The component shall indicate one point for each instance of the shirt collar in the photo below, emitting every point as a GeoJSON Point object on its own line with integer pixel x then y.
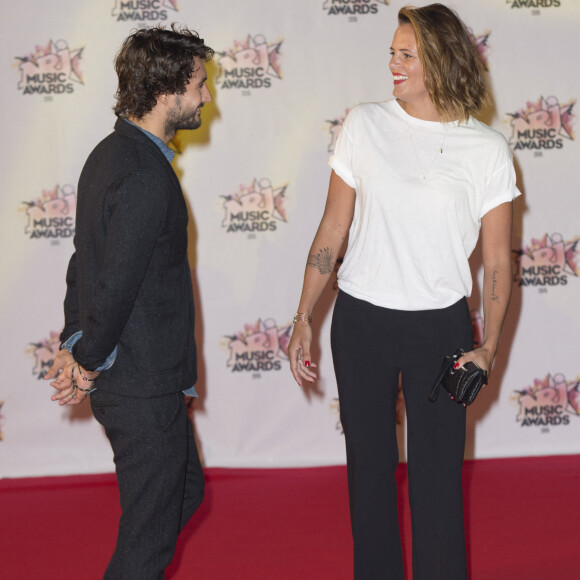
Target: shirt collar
{"type": "Point", "coordinates": [167, 151]}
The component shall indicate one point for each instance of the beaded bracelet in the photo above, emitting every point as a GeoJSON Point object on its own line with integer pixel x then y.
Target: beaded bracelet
{"type": "Point", "coordinates": [75, 385]}
{"type": "Point", "coordinates": [83, 375]}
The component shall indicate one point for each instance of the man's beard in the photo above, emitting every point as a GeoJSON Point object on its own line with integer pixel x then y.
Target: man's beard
{"type": "Point", "coordinates": [178, 119]}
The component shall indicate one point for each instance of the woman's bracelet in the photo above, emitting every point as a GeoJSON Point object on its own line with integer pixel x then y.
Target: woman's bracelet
{"type": "Point", "coordinates": [302, 316]}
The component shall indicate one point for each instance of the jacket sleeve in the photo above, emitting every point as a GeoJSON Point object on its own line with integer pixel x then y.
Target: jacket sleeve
{"type": "Point", "coordinates": [71, 302]}
{"type": "Point", "coordinates": [136, 210]}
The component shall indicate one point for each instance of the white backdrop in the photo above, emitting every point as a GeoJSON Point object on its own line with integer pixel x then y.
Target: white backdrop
{"type": "Point", "coordinates": [255, 176]}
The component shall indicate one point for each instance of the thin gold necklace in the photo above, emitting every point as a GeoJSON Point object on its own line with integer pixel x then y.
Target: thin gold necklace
{"type": "Point", "coordinates": [425, 172]}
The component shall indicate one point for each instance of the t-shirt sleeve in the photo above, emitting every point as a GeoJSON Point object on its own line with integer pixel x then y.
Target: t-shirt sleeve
{"type": "Point", "coordinates": [501, 185]}
{"type": "Point", "coordinates": [341, 159]}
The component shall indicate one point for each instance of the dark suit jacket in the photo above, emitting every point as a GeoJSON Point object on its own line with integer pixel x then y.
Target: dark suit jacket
{"type": "Point", "coordinates": [129, 281]}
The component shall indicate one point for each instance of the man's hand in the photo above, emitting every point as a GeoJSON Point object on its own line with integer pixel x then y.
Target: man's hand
{"type": "Point", "coordinates": [65, 369]}
{"type": "Point", "coordinates": [62, 360]}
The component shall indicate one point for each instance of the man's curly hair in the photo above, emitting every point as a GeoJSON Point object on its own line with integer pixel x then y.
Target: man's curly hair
{"type": "Point", "coordinates": [154, 62]}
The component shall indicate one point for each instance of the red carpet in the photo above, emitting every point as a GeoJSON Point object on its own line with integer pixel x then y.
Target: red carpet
{"type": "Point", "coordinates": [523, 522]}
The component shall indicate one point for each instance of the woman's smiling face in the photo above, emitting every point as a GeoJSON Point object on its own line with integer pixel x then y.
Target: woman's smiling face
{"type": "Point", "coordinates": [407, 71]}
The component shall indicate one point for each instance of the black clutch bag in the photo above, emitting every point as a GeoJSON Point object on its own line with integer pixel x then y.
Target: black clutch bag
{"type": "Point", "coordinates": [463, 383]}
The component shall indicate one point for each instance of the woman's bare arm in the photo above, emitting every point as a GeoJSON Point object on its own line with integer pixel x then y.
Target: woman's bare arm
{"type": "Point", "coordinates": [496, 232]}
{"type": "Point", "coordinates": [327, 243]}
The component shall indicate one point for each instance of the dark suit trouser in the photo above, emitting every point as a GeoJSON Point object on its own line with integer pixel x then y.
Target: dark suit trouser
{"type": "Point", "coordinates": [159, 476]}
{"type": "Point", "coordinates": [371, 346]}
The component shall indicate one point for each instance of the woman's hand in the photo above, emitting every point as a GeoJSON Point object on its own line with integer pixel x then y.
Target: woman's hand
{"type": "Point", "coordinates": [299, 353]}
{"type": "Point", "coordinates": [482, 357]}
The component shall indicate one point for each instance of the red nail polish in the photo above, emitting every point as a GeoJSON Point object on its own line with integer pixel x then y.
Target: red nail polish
{"type": "Point", "coordinates": [306, 363]}
{"type": "Point", "coordinates": [456, 366]}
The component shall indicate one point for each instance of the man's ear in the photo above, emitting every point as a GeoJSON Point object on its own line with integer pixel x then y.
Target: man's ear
{"type": "Point", "coordinates": [166, 100]}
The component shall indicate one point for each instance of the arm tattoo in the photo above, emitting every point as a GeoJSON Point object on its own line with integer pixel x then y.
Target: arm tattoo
{"type": "Point", "coordinates": [323, 261]}
{"type": "Point", "coordinates": [494, 296]}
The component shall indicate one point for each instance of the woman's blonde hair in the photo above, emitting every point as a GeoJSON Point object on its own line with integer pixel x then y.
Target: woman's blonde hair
{"type": "Point", "coordinates": [452, 69]}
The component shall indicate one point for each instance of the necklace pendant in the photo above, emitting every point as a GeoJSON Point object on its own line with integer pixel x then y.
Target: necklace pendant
{"type": "Point", "coordinates": [427, 169]}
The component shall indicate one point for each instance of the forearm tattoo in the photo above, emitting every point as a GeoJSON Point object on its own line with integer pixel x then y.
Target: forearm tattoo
{"type": "Point", "coordinates": [323, 261]}
{"type": "Point", "coordinates": [494, 296]}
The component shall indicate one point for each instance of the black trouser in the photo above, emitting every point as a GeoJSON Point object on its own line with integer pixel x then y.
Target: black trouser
{"type": "Point", "coordinates": [159, 476]}
{"type": "Point", "coordinates": [371, 346]}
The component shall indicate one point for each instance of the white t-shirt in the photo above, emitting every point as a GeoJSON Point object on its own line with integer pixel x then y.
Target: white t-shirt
{"type": "Point", "coordinates": [418, 211]}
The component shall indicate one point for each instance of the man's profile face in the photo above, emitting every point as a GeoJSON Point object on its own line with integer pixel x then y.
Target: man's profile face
{"type": "Point", "coordinates": [185, 111]}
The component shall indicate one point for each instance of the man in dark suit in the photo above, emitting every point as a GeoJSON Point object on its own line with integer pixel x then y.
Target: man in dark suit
{"type": "Point", "coordinates": [129, 314]}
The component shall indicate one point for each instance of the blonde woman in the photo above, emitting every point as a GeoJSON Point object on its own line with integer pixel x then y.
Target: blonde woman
{"type": "Point", "coordinates": [413, 181]}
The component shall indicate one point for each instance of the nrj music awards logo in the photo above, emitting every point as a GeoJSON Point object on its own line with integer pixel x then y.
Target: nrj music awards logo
{"type": "Point", "coordinates": [545, 124]}
{"type": "Point", "coordinates": [482, 44]}
{"type": "Point", "coordinates": [533, 3]}
{"type": "Point", "coordinates": [334, 127]}
{"type": "Point", "coordinates": [143, 10]}
{"type": "Point", "coordinates": [258, 207]}
{"type": "Point", "coordinates": [548, 261]}
{"type": "Point", "coordinates": [548, 402]}
{"type": "Point", "coordinates": [53, 214]}
{"type": "Point", "coordinates": [352, 7]}
{"type": "Point", "coordinates": [259, 347]}
{"type": "Point", "coordinates": [52, 69]}
{"type": "Point", "coordinates": [251, 64]}
{"type": "Point", "coordinates": [44, 353]}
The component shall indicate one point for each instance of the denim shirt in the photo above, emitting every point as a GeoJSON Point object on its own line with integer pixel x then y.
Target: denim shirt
{"type": "Point", "coordinates": [72, 340]}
